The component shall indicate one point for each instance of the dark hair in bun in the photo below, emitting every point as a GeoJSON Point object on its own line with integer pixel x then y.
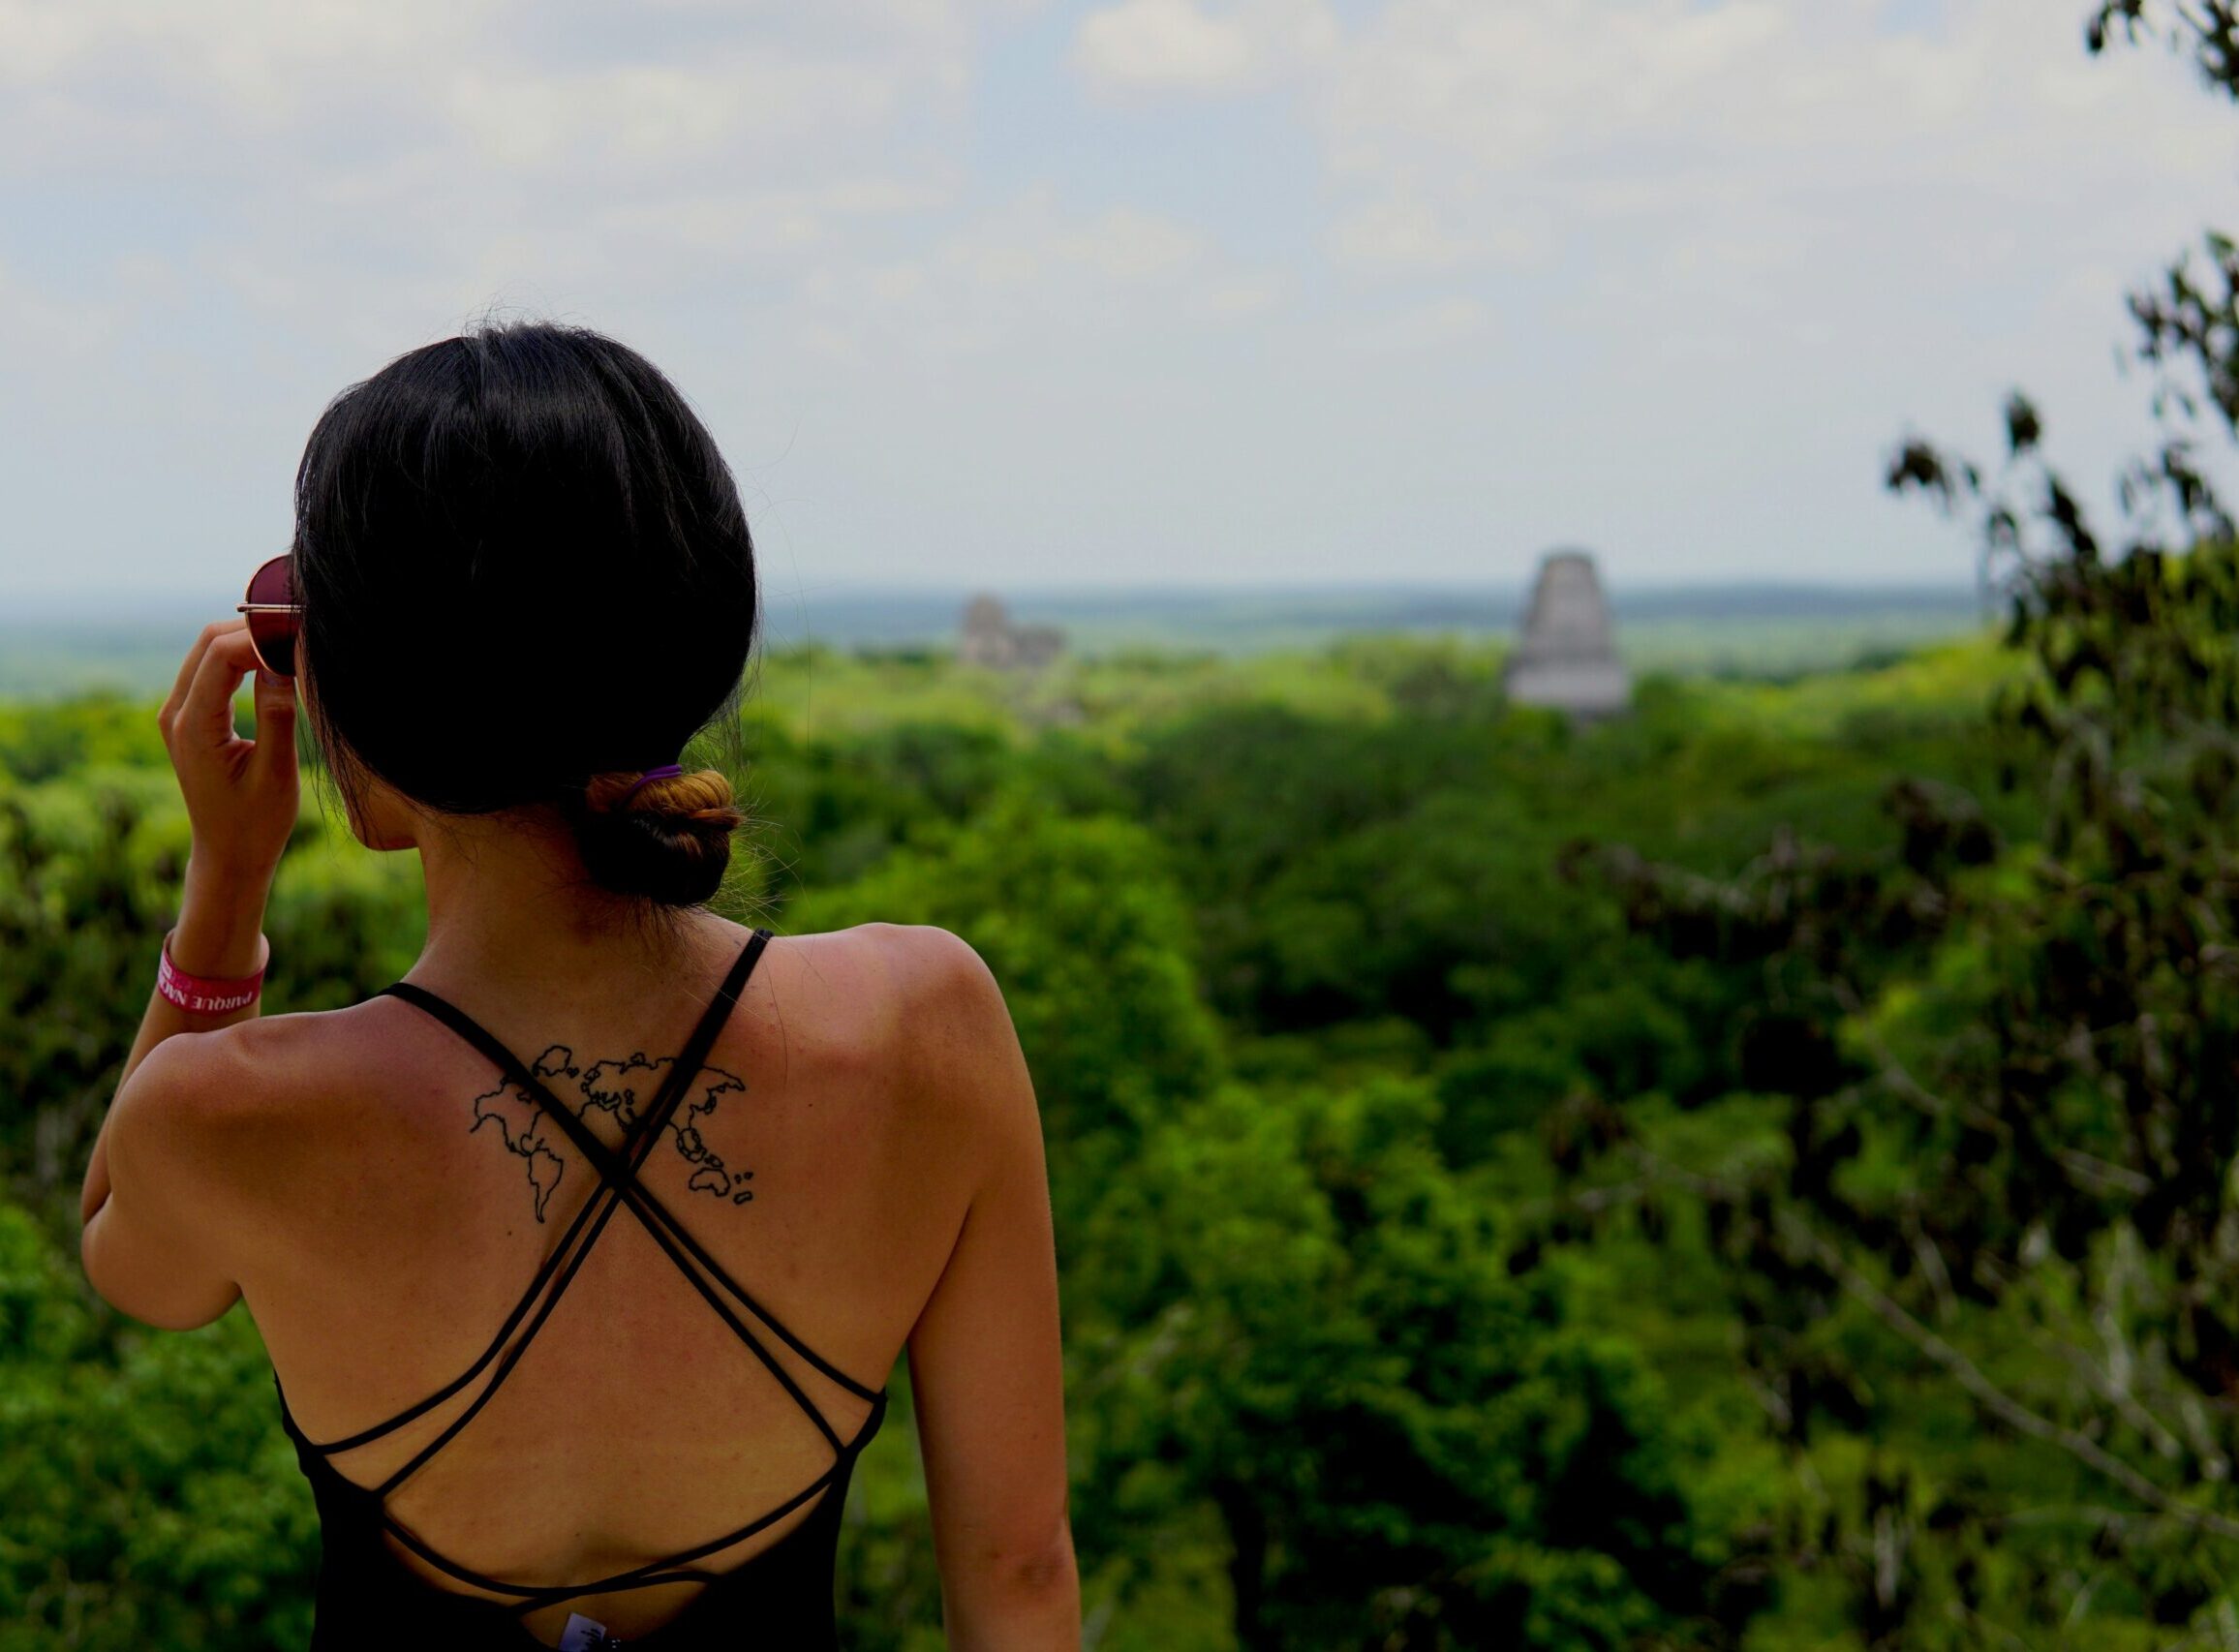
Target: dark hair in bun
{"type": "Point", "coordinates": [669, 838]}
{"type": "Point", "coordinates": [527, 578]}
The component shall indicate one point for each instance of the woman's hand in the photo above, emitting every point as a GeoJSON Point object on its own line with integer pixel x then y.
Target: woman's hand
{"type": "Point", "coordinates": [241, 799]}
{"type": "Point", "coordinates": [241, 794]}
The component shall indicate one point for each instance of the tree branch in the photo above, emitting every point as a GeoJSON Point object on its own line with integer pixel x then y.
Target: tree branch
{"type": "Point", "coordinates": [1990, 1395]}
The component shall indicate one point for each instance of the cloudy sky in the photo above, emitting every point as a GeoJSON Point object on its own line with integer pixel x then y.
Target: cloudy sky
{"type": "Point", "coordinates": [1101, 292]}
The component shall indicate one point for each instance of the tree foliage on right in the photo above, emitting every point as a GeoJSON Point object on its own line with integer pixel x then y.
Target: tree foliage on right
{"type": "Point", "coordinates": [1985, 1250]}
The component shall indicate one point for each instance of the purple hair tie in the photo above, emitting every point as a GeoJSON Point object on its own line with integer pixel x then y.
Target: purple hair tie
{"type": "Point", "coordinates": [661, 774]}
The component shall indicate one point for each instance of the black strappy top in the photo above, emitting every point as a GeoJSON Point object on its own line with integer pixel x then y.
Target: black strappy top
{"type": "Point", "coordinates": [780, 1597]}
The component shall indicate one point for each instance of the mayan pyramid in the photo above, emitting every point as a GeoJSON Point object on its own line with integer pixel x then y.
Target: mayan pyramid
{"type": "Point", "coordinates": [1568, 658]}
{"type": "Point", "coordinates": [989, 638]}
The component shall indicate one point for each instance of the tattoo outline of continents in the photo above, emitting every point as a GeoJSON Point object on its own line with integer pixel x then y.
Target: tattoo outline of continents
{"type": "Point", "coordinates": [613, 1086]}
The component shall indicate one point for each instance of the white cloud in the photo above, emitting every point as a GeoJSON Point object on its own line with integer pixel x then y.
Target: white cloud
{"type": "Point", "coordinates": [1255, 284]}
{"type": "Point", "coordinates": [421, 156]}
{"type": "Point", "coordinates": [1491, 132]}
{"type": "Point", "coordinates": [1495, 133]}
{"type": "Point", "coordinates": [1029, 277]}
{"type": "Point", "coordinates": [1730, 247]}
{"type": "Point", "coordinates": [1181, 45]}
{"type": "Point", "coordinates": [111, 84]}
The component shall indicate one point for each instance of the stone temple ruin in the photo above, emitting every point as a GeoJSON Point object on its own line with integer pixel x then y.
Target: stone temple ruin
{"type": "Point", "coordinates": [1568, 657]}
{"type": "Point", "coordinates": [989, 638]}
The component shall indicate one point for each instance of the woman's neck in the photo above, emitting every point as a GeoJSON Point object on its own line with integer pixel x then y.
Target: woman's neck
{"type": "Point", "coordinates": [508, 901]}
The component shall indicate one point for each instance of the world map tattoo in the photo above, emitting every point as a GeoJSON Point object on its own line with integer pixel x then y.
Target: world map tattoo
{"type": "Point", "coordinates": [612, 1086]}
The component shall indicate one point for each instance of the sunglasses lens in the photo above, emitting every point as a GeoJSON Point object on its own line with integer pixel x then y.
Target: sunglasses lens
{"type": "Point", "coordinates": [274, 634]}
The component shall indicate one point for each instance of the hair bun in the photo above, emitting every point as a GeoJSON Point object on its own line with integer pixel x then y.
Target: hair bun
{"type": "Point", "coordinates": [668, 840]}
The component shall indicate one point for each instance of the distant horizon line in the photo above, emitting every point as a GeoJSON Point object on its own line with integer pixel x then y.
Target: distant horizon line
{"type": "Point", "coordinates": [91, 604]}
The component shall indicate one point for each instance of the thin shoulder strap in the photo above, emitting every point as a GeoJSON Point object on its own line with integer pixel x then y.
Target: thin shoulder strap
{"type": "Point", "coordinates": [617, 1169]}
{"type": "Point", "coordinates": [483, 1040]}
{"type": "Point", "coordinates": [657, 1218]}
{"type": "Point", "coordinates": [686, 1068]}
{"type": "Point", "coordinates": [618, 1174]}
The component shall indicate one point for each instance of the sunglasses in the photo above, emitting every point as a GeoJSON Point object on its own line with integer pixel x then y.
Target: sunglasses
{"type": "Point", "coordinates": [274, 614]}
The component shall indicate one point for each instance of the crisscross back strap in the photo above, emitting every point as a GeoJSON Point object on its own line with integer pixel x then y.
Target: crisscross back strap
{"type": "Point", "coordinates": [648, 1123]}
{"type": "Point", "coordinates": [670, 1234]}
{"type": "Point", "coordinates": [617, 1174]}
{"type": "Point", "coordinates": [702, 1037]}
{"type": "Point", "coordinates": [618, 1171]}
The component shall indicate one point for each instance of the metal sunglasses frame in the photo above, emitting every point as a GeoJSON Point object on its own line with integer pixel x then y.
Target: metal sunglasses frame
{"type": "Point", "coordinates": [268, 608]}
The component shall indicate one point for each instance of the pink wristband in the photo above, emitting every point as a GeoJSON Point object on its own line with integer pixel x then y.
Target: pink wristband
{"type": "Point", "coordinates": [201, 994]}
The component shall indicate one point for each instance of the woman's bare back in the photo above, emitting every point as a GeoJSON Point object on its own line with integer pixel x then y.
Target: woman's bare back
{"type": "Point", "coordinates": [411, 1193]}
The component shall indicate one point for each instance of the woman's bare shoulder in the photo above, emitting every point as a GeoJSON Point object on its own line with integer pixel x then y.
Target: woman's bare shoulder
{"type": "Point", "coordinates": [254, 1088]}
{"type": "Point", "coordinates": [930, 1003]}
{"type": "Point", "coordinates": [245, 1120]}
{"type": "Point", "coordinates": [914, 962]}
